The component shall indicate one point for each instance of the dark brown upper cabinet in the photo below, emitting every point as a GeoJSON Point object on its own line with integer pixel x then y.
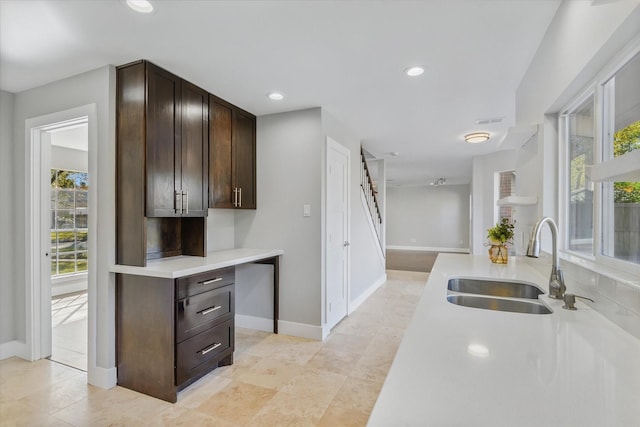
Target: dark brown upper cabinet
{"type": "Point", "coordinates": [232, 151]}
{"type": "Point", "coordinates": [162, 165]}
{"type": "Point", "coordinates": [177, 130]}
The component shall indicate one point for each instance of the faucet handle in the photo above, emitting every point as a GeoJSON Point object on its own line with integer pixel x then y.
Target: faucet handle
{"type": "Point", "coordinates": [570, 300]}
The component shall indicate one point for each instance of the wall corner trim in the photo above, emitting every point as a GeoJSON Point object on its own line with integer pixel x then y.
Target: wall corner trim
{"type": "Point", "coordinates": [13, 349]}
{"type": "Point", "coordinates": [103, 377]}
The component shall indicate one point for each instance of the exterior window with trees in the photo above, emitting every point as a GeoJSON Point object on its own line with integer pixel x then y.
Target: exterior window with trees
{"type": "Point", "coordinates": [69, 213]}
{"type": "Point", "coordinates": [601, 134]}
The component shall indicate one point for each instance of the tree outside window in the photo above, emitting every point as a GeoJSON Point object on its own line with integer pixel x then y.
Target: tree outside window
{"type": "Point", "coordinates": [69, 211]}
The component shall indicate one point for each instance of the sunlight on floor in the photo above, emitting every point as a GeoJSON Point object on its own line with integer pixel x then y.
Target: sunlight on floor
{"type": "Point", "coordinates": [69, 338]}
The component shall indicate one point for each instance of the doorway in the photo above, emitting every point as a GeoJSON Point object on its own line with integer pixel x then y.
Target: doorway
{"type": "Point", "coordinates": [337, 233]}
{"type": "Point", "coordinates": [59, 274]}
{"type": "Point", "coordinates": [69, 255]}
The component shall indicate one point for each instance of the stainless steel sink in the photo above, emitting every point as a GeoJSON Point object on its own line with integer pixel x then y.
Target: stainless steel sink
{"type": "Point", "coordinates": [496, 288]}
{"type": "Point", "coordinates": [500, 304]}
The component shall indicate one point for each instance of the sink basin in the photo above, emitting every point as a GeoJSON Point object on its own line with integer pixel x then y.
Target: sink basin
{"type": "Point", "coordinates": [500, 304]}
{"type": "Point", "coordinates": [496, 288]}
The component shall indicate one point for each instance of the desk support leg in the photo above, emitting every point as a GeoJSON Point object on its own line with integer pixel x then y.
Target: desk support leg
{"type": "Point", "coordinates": [275, 261]}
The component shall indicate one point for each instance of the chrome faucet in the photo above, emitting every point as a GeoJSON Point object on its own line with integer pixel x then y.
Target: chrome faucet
{"type": "Point", "coordinates": [556, 281]}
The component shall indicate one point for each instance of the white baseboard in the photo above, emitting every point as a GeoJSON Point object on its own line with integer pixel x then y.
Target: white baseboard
{"type": "Point", "coordinates": [253, 322]}
{"type": "Point", "coordinates": [13, 349]}
{"type": "Point", "coordinates": [427, 249]}
{"type": "Point", "coordinates": [353, 305]}
{"type": "Point", "coordinates": [301, 330]}
{"type": "Point", "coordinates": [103, 377]}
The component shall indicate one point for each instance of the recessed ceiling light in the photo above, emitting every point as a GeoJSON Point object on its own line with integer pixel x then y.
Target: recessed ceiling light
{"type": "Point", "coordinates": [142, 6]}
{"type": "Point", "coordinates": [476, 137]}
{"type": "Point", "coordinates": [275, 96]}
{"type": "Point", "coordinates": [414, 71]}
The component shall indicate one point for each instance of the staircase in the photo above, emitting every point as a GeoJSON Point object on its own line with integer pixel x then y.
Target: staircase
{"type": "Point", "coordinates": [369, 193]}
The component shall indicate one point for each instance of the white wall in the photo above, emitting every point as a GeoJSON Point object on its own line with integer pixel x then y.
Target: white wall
{"type": "Point", "coordinates": [485, 193]}
{"type": "Point", "coordinates": [8, 240]}
{"type": "Point", "coordinates": [93, 87]}
{"type": "Point", "coordinates": [69, 159]}
{"type": "Point", "coordinates": [220, 229]}
{"type": "Point", "coordinates": [428, 217]}
{"type": "Point", "coordinates": [578, 43]}
{"type": "Point", "coordinates": [288, 176]}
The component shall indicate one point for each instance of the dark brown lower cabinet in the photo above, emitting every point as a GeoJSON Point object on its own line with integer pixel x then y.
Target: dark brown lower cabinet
{"type": "Point", "coordinates": [171, 332]}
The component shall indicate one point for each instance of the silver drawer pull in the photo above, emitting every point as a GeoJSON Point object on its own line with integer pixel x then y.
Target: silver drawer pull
{"type": "Point", "coordinates": [208, 282]}
{"type": "Point", "coordinates": [211, 348]}
{"type": "Point", "coordinates": [210, 309]}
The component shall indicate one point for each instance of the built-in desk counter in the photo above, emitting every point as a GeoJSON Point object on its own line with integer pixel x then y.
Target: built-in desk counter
{"type": "Point", "coordinates": [175, 318]}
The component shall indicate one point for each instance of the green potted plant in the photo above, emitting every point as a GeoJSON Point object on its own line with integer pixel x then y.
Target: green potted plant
{"type": "Point", "coordinates": [500, 236]}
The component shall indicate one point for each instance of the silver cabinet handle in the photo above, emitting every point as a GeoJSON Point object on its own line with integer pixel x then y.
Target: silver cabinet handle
{"type": "Point", "coordinates": [210, 348]}
{"type": "Point", "coordinates": [210, 310]}
{"type": "Point", "coordinates": [178, 196]}
{"type": "Point", "coordinates": [185, 202]}
{"type": "Point", "coordinates": [208, 282]}
{"type": "Point", "coordinates": [240, 203]}
{"type": "Point", "coordinates": [235, 197]}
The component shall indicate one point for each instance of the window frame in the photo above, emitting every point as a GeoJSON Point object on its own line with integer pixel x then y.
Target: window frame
{"type": "Point", "coordinates": [602, 107]}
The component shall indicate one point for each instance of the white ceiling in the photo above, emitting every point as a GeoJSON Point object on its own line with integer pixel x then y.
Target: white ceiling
{"type": "Point", "coordinates": [346, 56]}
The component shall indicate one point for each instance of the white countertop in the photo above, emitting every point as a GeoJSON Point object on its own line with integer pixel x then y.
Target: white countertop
{"type": "Point", "coordinates": [180, 266]}
{"type": "Point", "coordinates": [568, 368]}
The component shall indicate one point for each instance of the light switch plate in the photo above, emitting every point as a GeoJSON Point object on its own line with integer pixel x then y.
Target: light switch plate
{"type": "Point", "coordinates": [306, 210]}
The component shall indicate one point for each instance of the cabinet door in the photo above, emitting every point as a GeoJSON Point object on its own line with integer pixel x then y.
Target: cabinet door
{"type": "Point", "coordinates": [163, 141]}
{"type": "Point", "coordinates": [244, 144]}
{"type": "Point", "coordinates": [195, 150]}
{"type": "Point", "coordinates": [221, 188]}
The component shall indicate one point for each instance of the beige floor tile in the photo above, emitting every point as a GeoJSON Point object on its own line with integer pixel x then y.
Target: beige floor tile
{"type": "Point", "coordinates": [357, 394]}
{"type": "Point", "coordinates": [286, 409]}
{"type": "Point", "coordinates": [286, 348]}
{"type": "Point", "coordinates": [238, 402]}
{"type": "Point", "coordinates": [337, 416]}
{"type": "Point", "coordinates": [22, 414]}
{"type": "Point", "coordinates": [116, 406]}
{"type": "Point", "coordinates": [269, 373]}
{"type": "Point", "coordinates": [336, 361]}
{"type": "Point", "coordinates": [33, 377]}
{"type": "Point", "coordinates": [200, 391]}
{"type": "Point", "coordinates": [59, 396]}
{"type": "Point", "coordinates": [177, 416]}
{"type": "Point", "coordinates": [346, 343]}
{"type": "Point", "coordinates": [320, 386]}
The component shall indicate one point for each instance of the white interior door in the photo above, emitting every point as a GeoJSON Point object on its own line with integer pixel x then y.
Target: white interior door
{"type": "Point", "coordinates": [337, 229]}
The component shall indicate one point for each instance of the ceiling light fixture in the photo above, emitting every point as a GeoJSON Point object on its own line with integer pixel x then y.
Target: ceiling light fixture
{"type": "Point", "coordinates": [275, 96]}
{"type": "Point", "coordinates": [476, 137]}
{"type": "Point", "coordinates": [414, 71]}
{"type": "Point", "coordinates": [142, 6]}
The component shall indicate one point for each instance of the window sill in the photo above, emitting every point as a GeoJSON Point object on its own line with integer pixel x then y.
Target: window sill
{"type": "Point", "coordinates": [623, 168]}
{"type": "Point", "coordinates": [69, 278]}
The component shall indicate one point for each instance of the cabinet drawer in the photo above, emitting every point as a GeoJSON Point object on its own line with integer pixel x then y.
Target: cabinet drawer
{"type": "Point", "coordinates": [202, 348]}
{"type": "Point", "coordinates": [203, 282]}
{"type": "Point", "coordinates": [197, 313]}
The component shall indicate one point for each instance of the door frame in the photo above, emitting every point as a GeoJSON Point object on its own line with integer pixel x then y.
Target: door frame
{"type": "Point", "coordinates": [332, 144]}
{"type": "Point", "coordinates": [37, 294]}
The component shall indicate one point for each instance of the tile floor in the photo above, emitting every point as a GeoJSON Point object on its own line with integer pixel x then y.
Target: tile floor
{"type": "Point", "coordinates": [276, 380]}
{"type": "Point", "coordinates": [69, 330]}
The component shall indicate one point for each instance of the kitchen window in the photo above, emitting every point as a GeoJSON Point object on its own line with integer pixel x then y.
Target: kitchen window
{"type": "Point", "coordinates": [600, 187]}
{"type": "Point", "coordinates": [69, 230]}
